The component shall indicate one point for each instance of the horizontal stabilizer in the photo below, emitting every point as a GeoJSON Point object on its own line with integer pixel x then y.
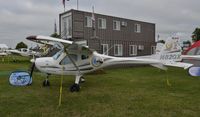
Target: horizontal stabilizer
{"type": "Point", "coordinates": [178, 64]}
{"type": "Point", "coordinates": [160, 66]}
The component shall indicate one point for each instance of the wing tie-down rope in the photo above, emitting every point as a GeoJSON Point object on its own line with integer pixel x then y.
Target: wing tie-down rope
{"type": "Point", "coordinates": [61, 83]}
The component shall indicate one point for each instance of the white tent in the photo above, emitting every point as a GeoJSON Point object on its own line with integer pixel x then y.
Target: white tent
{"type": "Point", "coordinates": [3, 47]}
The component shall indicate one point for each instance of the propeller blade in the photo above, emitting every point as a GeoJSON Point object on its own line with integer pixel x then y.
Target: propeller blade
{"type": "Point", "coordinates": [32, 69]}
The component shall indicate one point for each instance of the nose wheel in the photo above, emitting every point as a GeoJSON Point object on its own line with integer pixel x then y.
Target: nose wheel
{"type": "Point", "coordinates": [46, 82]}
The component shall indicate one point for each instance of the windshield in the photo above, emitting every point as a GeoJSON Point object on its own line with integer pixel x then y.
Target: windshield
{"type": "Point", "coordinates": [57, 55]}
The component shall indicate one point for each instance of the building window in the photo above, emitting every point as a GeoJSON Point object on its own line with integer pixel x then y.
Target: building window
{"type": "Point", "coordinates": [141, 47]}
{"type": "Point", "coordinates": [102, 23]}
{"type": "Point", "coordinates": [118, 50]}
{"type": "Point", "coordinates": [66, 27]}
{"type": "Point", "coordinates": [116, 25]}
{"type": "Point", "coordinates": [153, 49]}
{"type": "Point", "coordinates": [105, 49]}
{"type": "Point", "coordinates": [137, 28]}
{"type": "Point", "coordinates": [124, 23]}
{"type": "Point", "coordinates": [133, 50]}
{"type": "Point", "coordinates": [88, 21]}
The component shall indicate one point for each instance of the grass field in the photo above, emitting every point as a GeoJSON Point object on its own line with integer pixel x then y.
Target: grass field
{"type": "Point", "coordinates": [132, 92]}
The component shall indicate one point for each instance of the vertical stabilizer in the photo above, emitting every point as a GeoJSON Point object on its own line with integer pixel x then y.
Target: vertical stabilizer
{"type": "Point", "coordinates": [171, 50]}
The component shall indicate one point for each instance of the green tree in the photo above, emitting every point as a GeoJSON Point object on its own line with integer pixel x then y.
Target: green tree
{"type": "Point", "coordinates": [187, 42]}
{"type": "Point", "coordinates": [161, 41]}
{"type": "Point", "coordinates": [196, 35]}
{"type": "Point", "coordinates": [55, 35]}
{"type": "Point", "coordinates": [21, 45]}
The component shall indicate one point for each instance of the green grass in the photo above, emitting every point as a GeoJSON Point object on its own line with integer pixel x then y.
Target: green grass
{"type": "Point", "coordinates": [134, 92]}
{"type": "Point", "coordinates": [14, 59]}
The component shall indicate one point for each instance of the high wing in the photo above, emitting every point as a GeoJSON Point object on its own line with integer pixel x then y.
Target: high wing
{"type": "Point", "coordinates": [64, 44]}
{"type": "Point", "coordinates": [41, 39]}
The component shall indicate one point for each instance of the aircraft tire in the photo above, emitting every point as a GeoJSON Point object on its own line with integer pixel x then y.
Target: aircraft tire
{"type": "Point", "coordinates": [75, 88]}
{"type": "Point", "coordinates": [46, 83]}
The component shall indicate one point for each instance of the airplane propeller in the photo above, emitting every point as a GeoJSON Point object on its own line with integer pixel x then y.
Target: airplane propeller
{"type": "Point", "coordinates": [33, 65]}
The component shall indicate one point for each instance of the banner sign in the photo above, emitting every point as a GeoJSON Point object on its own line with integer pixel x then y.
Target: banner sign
{"type": "Point", "coordinates": [194, 71]}
{"type": "Point", "coordinates": [20, 78]}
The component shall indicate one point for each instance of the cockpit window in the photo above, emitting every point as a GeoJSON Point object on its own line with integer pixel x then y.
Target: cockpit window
{"type": "Point", "coordinates": [50, 50]}
{"type": "Point", "coordinates": [57, 55]}
{"type": "Point", "coordinates": [66, 59]}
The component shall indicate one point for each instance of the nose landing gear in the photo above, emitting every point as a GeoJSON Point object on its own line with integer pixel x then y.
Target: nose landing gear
{"type": "Point", "coordinates": [46, 82]}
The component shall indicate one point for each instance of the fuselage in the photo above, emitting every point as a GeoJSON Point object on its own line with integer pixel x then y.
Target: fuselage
{"type": "Point", "coordinates": [60, 63]}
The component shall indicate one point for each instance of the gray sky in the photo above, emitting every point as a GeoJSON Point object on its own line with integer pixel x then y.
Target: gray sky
{"type": "Point", "coordinates": [21, 18]}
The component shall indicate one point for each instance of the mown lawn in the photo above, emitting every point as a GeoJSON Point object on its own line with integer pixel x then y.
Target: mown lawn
{"type": "Point", "coordinates": [132, 92]}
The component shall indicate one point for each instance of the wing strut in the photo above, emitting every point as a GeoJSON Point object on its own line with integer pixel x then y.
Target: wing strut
{"type": "Point", "coordinates": [73, 62]}
{"type": "Point", "coordinates": [75, 86]}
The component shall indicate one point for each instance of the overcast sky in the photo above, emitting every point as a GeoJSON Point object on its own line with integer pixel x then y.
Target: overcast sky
{"type": "Point", "coordinates": [21, 18]}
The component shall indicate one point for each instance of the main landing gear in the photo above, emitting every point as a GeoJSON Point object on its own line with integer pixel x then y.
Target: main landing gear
{"type": "Point", "coordinates": [46, 82]}
{"type": "Point", "coordinates": [76, 86]}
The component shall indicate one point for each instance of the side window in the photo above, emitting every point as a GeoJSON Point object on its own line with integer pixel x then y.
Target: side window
{"type": "Point", "coordinates": [102, 23]}
{"type": "Point", "coordinates": [118, 50]}
{"type": "Point", "coordinates": [57, 55]}
{"type": "Point", "coordinates": [137, 28]}
{"type": "Point", "coordinates": [66, 59]}
{"type": "Point", "coordinates": [116, 25]}
{"type": "Point", "coordinates": [133, 50]}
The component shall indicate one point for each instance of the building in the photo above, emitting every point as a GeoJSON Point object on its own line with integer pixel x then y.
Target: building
{"type": "Point", "coordinates": [110, 35]}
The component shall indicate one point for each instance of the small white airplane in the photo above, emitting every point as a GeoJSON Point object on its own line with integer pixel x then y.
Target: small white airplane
{"type": "Point", "coordinates": [76, 59]}
{"type": "Point", "coordinates": [24, 52]}
{"type": "Point", "coordinates": [3, 54]}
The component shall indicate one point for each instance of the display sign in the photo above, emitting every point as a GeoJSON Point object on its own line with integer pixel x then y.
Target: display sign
{"type": "Point", "coordinates": [194, 71]}
{"type": "Point", "coordinates": [20, 78]}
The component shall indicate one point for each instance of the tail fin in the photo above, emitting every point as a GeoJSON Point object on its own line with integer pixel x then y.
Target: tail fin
{"type": "Point", "coordinates": [171, 51]}
{"type": "Point", "coordinates": [170, 54]}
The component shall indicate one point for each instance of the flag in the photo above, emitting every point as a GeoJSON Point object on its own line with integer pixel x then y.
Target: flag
{"type": "Point", "coordinates": [93, 24]}
{"type": "Point", "coordinates": [64, 3]}
{"type": "Point", "coordinates": [93, 18]}
{"type": "Point", "coordinates": [55, 27]}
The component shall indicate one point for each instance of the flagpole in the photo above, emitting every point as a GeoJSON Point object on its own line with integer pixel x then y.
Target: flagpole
{"type": "Point", "coordinates": [77, 4]}
{"type": "Point", "coordinates": [64, 4]}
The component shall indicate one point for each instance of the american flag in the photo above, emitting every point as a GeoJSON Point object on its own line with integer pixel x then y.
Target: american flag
{"type": "Point", "coordinates": [64, 3]}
